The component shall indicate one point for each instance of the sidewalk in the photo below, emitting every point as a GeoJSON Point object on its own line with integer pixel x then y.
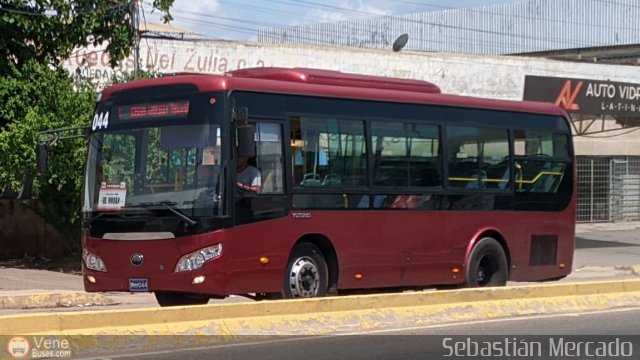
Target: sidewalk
{"type": "Point", "coordinates": [607, 226]}
{"type": "Point", "coordinates": [24, 289]}
{"type": "Point", "coordinates": [37, 299]}
{"type": "Point", "coordinates": [603, 251]}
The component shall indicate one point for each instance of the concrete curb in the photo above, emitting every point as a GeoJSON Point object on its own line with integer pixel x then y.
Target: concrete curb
{"type": "Point", "coordinates": [334, 314]}
{"type": "Point", "coordinates": [95, 333]}
{"type": "Point", "coordinates": [52, 299]}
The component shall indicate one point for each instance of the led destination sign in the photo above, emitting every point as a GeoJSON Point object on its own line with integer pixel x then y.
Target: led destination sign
{"type": "Point", "coordinates": [172, 109]}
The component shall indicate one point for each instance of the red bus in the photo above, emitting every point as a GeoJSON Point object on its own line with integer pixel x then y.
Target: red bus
{"type": "Point", "coordinates": [363, 183]}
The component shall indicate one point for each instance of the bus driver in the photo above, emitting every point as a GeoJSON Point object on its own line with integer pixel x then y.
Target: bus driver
{"type": "Point", "coordinates": [248, 177]}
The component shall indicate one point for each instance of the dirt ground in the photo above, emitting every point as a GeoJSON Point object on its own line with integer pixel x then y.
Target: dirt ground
{"type": "Point", "coordinates": [67, 265]}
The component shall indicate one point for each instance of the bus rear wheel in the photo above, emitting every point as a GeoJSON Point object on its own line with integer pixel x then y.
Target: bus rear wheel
{"type": "Point", "coordinates": [178, 299]}
{"type": "Point", "coordinates": [306, 275]}
{"type": "Point", "coordinates": [487, 265]}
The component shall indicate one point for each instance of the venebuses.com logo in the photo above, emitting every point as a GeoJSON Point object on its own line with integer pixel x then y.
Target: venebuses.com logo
{"type": "Point", "coordinates": [34, 347]}
{"type": "Point", "coordinates": [18, 347]}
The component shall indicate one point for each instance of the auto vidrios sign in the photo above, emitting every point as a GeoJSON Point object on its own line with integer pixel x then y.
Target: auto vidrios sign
{"type": "Point", "coordinates": [585, 96]}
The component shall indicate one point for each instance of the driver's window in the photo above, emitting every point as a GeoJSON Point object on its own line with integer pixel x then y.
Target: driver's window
{"type": "Point", "coordinates": [261, 195]}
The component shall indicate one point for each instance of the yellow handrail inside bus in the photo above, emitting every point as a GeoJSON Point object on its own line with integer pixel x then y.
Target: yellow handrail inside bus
{"type": "Point", "coordinates": [519, 181]}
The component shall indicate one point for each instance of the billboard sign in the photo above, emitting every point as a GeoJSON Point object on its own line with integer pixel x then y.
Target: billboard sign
{"type": "Point", "coordinates": [585, 96]}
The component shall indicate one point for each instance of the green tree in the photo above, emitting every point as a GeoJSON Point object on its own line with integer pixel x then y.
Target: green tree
{"type": "Point", "coordinates": [47, 30]}
{"type": "Point", "coordinates": [41, 98]}
{"type": "Point", "coordinates": [37, 95]}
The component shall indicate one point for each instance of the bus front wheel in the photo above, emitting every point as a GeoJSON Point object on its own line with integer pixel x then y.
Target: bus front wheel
{"type": "Point", "coordinates": [178, 299]}
{"type": "Point", "coordinates": [306, 275]}
{"type": "Point", "coordinates": [487, 265]}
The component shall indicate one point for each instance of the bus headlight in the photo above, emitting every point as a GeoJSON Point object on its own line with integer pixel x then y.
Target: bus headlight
{"type": "Point", "coordinates": [196, 259]}
{"type": "Point", "coordinates": [93, 262]}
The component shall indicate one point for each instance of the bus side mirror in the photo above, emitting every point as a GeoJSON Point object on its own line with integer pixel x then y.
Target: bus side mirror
{"type": "Point", "coordinates": [42, 154]}
{"type": "Point", "coordinates": [246, 141]}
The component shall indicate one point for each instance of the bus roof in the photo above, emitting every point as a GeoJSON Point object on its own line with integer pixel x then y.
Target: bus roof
{"type": "Point", "coordinates": [327, 83]}
{"type": "Point", "coordinates": [336, 78]}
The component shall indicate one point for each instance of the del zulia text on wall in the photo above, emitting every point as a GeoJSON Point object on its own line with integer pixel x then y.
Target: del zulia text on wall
{"type": "Point", "coordinates": [585, 96]}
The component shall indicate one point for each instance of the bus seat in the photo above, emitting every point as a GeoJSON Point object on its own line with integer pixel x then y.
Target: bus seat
{"type": "Point", "coordinates": [378, 201]}
{"type": "Point", "coordinates": [311, 179]}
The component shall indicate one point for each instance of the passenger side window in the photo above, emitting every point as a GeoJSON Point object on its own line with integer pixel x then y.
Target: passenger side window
{"type": "Point", "coordinates": [478, 158]}
{"type": "Point", "coordinates": [541, 160]}
{"type": "Point", "coordinates": [406, 155]}
{"type": "Point", "coordinates": [328, 152]}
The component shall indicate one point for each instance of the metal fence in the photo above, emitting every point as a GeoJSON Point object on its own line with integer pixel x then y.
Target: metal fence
{"type": "Point", "coordinates": [517, 27]}
{"type": "Point", "coordinates": [608, 188]}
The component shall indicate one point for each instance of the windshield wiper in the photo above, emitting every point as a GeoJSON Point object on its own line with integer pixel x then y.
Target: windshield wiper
{"type": "Point", "coordinates": [170, 205]}
{"type": "Point", "coordinates": [92, 219]}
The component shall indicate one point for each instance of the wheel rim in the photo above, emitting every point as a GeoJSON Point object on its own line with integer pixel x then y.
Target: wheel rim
{"type": "Point", "coordinates": [304, 279]}
{"type": "Point", "coordinates": [481, 275]}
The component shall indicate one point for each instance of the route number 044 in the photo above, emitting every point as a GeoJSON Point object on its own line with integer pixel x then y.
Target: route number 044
{"type": "Point", "coordinates": [100, 121]}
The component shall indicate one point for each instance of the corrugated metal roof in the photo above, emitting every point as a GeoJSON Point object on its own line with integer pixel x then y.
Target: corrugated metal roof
{"type": "Point", "coordinates": [527, 26]}
{"type": "Point", "coordinates": [165, 29]}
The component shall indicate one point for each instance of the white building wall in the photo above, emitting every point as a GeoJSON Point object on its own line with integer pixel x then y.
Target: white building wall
{"type": "Point", "coordinates": [486, 76]}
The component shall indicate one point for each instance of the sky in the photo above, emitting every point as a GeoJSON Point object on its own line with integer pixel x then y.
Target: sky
{"type": "Point", "coordinates": [239, 19]}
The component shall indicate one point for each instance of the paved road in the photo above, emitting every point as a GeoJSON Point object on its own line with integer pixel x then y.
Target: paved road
{"type": "Point", "coordinates": [606, 250]}
{"type": "Point", "coordinates": [603, 251]}
{"type": "Point", "coordinates": [623, 245]}
{"type": "Point", "coordinates": [559, 335]}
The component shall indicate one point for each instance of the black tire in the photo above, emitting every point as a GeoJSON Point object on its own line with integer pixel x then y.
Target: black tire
{"type": "Point", "coordinates": [178, 299]}
{"type": "Point", "coordinates": [306, 275]}
{"type": "Point", "coordinates": [487, 265]}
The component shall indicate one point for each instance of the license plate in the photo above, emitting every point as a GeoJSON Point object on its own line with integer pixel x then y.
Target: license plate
{"type": "Point", "coordinates": [138, 285]}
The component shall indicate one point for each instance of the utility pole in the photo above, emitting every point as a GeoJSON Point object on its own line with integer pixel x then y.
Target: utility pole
{"type": "Point", "coordinates": [135, 28]}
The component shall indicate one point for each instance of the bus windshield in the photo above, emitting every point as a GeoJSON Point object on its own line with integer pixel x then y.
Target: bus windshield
{"type": "Point", "coordinates": [171, 163]}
